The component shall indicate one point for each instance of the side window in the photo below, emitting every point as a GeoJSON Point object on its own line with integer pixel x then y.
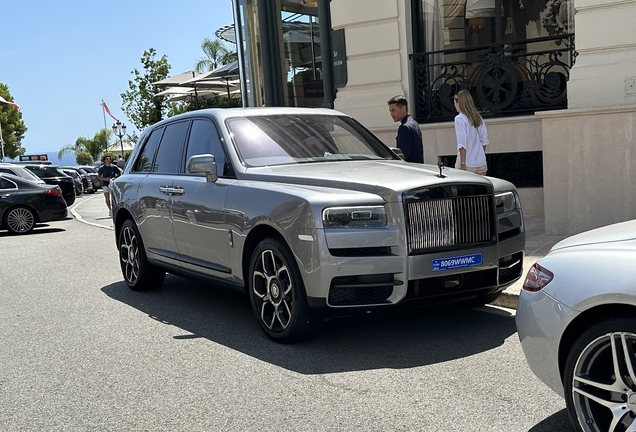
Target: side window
{"type": "Point", "coordinates": [6, 170]}
{"type": "Point", "coordinates": [204, 138]}
{"type": "Point", "coordinates": [6, 184]}
{"type": "Point", "coordinates": [144, 161]}
{"type": "Point", "coordinates": [169, 153]}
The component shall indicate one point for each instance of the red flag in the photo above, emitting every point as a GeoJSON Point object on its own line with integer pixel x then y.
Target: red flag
{"type": "Point", "coordinates": [13, 104]}
{"type": "Point", "coordinates": [107, 110]}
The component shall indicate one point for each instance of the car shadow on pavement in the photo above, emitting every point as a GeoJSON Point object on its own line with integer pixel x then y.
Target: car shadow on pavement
{"type": "Point", "coordinates": [558, 421]}
{"type": "Point", "coordinates": [39, 229]}
{"type": "Point", "coordinates": [375, 341]}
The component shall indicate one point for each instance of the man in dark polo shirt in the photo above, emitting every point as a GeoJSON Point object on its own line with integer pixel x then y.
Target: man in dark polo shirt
{"type": "Point", "coordinates": [106, 173]}
{"type": "Point", "coordinates": [409, 136]}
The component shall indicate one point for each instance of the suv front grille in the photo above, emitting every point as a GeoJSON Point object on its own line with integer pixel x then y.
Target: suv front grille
{"type": "Point", "coordinates": [449, 222]}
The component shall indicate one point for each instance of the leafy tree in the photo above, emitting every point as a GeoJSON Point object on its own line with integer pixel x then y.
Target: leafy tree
{"type": "Point", "coordinates": [84, 158]}
{"type": "Point", "coordinates": [139, 101]}
{"type": "Point", "coordinates": [12, 126]}
{"type": "Point", "coordinates": [220, 102]}
{"type": "Point", "coordinates": [216, 54]}
{"type": "Point", "coordinates": [93, 146]}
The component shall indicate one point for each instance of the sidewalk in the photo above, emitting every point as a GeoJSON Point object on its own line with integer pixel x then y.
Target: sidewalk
{"type": "Point", "coordinates": [537, 246]}
{"type": "Point", "coordinates": [92, 210]}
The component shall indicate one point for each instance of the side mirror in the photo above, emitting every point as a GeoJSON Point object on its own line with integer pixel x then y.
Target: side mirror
{"type": "Point", "coordinates": [398, 152]}
{"type": "Point", "coordinates": [205, 164]}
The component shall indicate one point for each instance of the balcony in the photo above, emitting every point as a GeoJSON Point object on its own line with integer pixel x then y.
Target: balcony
{"type": "Point", "coordinates": [507, 79]}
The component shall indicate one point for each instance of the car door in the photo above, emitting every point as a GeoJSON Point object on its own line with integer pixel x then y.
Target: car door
{"type": "Point", "coordinates": [160, 160]}
{"type": "Point", "coordinates": [199, 207]}
{"type": "Point", "coordinates": [8, 189]}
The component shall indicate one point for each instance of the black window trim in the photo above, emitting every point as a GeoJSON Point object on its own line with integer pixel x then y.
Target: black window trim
{"type": "Point", "coordinates": [228, 160]}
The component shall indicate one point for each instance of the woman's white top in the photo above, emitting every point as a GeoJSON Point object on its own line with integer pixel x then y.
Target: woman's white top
{"type": "Point", "coordinates": [472, 139]}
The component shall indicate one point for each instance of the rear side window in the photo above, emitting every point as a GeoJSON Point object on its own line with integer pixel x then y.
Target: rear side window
{"type": "Point", "coordinates": [144, 161]}
{"type": "Point", "coordinates": [204, 139]}
{"type": "Point", "coordinates": [6, 184]}
{"type": "Point", "coordinates": [169, 153]}
{"type": "Point", "coordinates": [41, 171]}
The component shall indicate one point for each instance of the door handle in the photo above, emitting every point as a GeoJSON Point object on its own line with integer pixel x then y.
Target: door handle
{"type": "Point", "coordinates": [165, 190]}
{"type": "Point", "coordinates": [177, 190]}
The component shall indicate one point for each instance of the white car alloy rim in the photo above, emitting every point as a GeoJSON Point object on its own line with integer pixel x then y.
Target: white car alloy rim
{"type": "Point", "coordinates": [604, 384]}
{"type": "Point", "coordinates": [20, 220]}
{"type": "Point", "coordinates": [272, 285]}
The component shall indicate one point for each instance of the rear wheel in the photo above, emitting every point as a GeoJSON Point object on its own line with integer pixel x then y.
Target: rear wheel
{"type": "Point", "coordinates": [138, 273]}
{"type": "Point", "coordinates": [278, 294]}
{"type": "Point", "coordinates": [600, 377]}
{"type": "Point", "coordinates": [19, 220]}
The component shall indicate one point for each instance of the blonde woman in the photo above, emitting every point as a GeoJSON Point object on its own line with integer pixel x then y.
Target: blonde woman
{"type": "Point", "coordinates": [472, 136]}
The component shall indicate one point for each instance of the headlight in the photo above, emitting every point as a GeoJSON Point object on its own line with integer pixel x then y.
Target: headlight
{"type": "Point", "coordinates": [505, 202]}
{"type": "Point", "coordinates": [354, 217]}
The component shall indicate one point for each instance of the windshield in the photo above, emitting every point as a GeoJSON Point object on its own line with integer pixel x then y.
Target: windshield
{"type": "Point", "coordinates": [294, 139]}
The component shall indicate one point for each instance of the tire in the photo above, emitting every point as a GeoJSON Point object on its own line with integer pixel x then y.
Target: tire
{"type": "Point", "coordinates": [138, 273]}
{"type": "Point", "coordinates": [591, 382]}
{"type": "Point", "coordinates": [480, 300]}
{"type": "Point", "coordinates": [486, 298]}
{"type": "Point", "coordinates": [19, 220]}
{"type": "Point", "coordinates": [278, 296]}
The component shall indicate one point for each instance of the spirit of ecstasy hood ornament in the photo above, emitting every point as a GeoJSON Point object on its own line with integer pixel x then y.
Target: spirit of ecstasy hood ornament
{"type": "Point", "coordinates": [440, 165]}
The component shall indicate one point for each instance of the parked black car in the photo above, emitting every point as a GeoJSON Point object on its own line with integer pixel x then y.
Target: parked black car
{"type": "Point", "coordinates": [84, 179]}
{"type": "Point", "coordinates": [51, 174]}
{"type": "Point", "coordinates": [24, 203]}
{"type": "Point", "coordinates": [92, 174]}
{"type": "Point", "coordinates": [77, 181]}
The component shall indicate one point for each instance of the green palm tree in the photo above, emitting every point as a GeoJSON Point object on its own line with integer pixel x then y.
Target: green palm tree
{"type": "Point", "coordinates": [216, 54]}
{"type": "Point", "coordinates": [93, 146]}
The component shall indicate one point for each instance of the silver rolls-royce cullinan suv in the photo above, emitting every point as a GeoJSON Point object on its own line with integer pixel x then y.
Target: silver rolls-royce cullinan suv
{"type": "Point", "coordinates": [312, 214]}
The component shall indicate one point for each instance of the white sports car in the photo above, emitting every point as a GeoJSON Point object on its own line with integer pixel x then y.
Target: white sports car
{"type": "Point", "coordinates": [576, 320]}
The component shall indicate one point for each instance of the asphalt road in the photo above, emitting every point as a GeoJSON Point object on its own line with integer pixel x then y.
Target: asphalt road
{"type": "Point", "coordinates": [81, 352]}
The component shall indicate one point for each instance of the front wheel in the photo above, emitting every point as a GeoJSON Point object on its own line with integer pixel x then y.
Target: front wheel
{"type": "Point", "coordinates": [138, 273]}
{"type": "Point", "coordinates": [278, 296]}
{"type": "Point", "coordinates": [19, 220]}
{"type": "Point", "coordinates": [600, 377]}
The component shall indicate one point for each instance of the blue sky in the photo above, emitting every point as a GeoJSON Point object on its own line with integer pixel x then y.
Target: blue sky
{"type": "Point", "coordinates": [60, 59]}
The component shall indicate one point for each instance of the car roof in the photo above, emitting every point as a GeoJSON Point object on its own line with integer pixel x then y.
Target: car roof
{"type": "Point", "coordinates": [222, 114]}
{"type": "Point", "coordinates": [20, 180]}
{"type": "Point", "coordinates": [39, 165]}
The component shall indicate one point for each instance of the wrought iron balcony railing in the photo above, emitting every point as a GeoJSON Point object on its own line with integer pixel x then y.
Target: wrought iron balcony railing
{"type": "Point", "coordinates": [513, 78]}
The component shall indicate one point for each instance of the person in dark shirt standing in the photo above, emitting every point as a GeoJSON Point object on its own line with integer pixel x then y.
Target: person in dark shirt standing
{"type": "Point", "coordinates": [409, 136]}
{"type": "Point", "coordinates": [106, 173]}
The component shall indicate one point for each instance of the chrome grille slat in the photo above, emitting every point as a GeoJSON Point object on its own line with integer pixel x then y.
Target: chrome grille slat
{"type": "Point", "coordinates": [448, 222]}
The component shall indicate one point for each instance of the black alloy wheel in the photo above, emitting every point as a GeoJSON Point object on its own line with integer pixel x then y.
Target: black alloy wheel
{"type": "Point", "coordinates": [600, 377]}
{"type": "Point", "coordinates": [19, 220]}
{"type": "Point", "coordinates": [138, 273]}
{"type": "Point", "coordinates": [278, 296]}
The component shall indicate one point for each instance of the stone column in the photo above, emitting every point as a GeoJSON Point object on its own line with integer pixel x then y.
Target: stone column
{"type": "Point", "coordinates": [589, 150]}
{"type": "Point", "coordinates": [604, 74]}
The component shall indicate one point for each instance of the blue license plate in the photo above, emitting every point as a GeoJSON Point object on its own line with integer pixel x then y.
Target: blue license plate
{"type": "Point", "coordinates": [456, 262]}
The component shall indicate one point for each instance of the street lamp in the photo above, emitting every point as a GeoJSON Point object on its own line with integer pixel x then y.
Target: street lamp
{"type": "Point", "coordinates": [119, 130]}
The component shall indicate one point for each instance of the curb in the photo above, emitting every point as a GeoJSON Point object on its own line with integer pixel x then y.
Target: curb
{"type": "Point", "coordinates": [507, 300]}
{"type": "Point", "coordinates": [79, 217]}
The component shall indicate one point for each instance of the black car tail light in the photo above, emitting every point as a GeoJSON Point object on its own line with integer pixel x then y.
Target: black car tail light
{"type": "Point", "coordinates": [537, 278]}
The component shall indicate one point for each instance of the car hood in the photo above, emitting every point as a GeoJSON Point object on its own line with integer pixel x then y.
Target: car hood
{"type": "Point", "coordinates": [621, 235]}
{"type": "Point", "coordinates": [385, 178]}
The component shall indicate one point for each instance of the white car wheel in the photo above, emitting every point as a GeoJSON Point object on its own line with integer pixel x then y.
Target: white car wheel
{"type": "Point", "coordinates": [600, 377]}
